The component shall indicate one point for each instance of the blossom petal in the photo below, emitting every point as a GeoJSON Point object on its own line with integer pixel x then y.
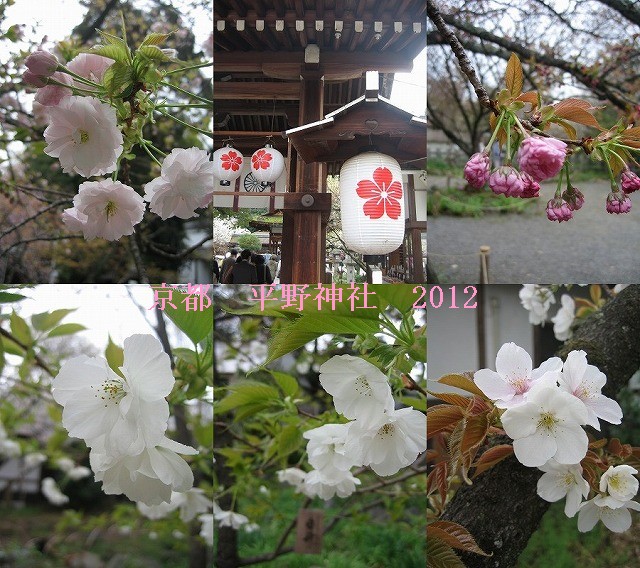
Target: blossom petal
{"type": "Point", "coordinates": [535, 450]}
{"type": "Point", "coordinates": [493, 385]}
{"type": "Point", "coordinates": [513, 362]}
{"type": "Point", "coordinates": [616, 520]}
{"type": "Point", "coordinates": [572, 444]}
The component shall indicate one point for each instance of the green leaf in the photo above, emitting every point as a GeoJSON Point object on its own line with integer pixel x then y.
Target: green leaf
{"type": "Point", "coordinates": [115, 356]}
{"type": "Point", "coordinates": [115, 52]}
{"type": "Point", "coordinates": [247, 393]}
{"type": "Point", "coordinates": [6, 297]}
{"type": "Point", "coordinates": [20, 330]}
{"type": "Point", "coordinates": [11, 347]}
{"type": "Point", "coordinates": [155, 39]}
{"type": "Point", "coordinates": [415, 402]}
{"type": "Point", "coordinates": [2, 359]}
{"type": "Point", "coordinates": [287, 383]}
{"type": "Point", "coordinates": [187, 355]}
{"type": "Point", "coordinates": [153, 53]}
{"type": "Point", "coordinates": [116, 77]}
{"type": "Point", "coordinates": [195, 323]}
{"type": "Point", "coordinates": [47, 320]}
{"type": "Point", "coordinates": [66, 329]}
{"type": "Point", "coordinates": [204, 435]}
{"type": "Point", "coordinates": [289, 440]}
{"type": "Point", "coordinates": [401, 297]}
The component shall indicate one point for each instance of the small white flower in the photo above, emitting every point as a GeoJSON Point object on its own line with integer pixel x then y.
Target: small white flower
{"type": "Point", "coordinates": [178, 535]}
{"type": "Point", "coordinates": [536, 300]}
{"type": "Point", "coordinates": [230, 519]}
{"type": "Point", "coordinates": [359, 389]}
{"type": "Point", "coordinates": [155, 512]}
{"type": "Point", "coordinates": [191, 503]}
{"type": "Point", "coordinates": [620, 483]}
{"type": "Point", "coordinates": [52, 492]}
{"type": "Point", "coordinates": [251, 527]}
{"type": "Point", "coordinates": [326, 447]}
{"type": "Point", "coordinates": [394, 442]}
{"type": "Point", "coordinates": [619, 288]}
{"type": "Point", "coordinates": [184, 185]}
{"type": "Point", "coordinates": [34, 459]}
{"type": "Point", "coordinates": [560, 480]}
{"type": "Point", "coordinates": [206, 530]}
{"type": "Point", "coordinates": [514, 376]}
{"type": "Point", "coordinates": [65, 464]}
{"type": "Point", "coordinates": [78, 472]}
{"type": "Point", "coordinates": [292, 476]}
{"type": "Point", "coordinates": [329, 482]}
{"type": "Point", "coordinates": [263, 490]}
{"type": "Point", "coordinates": [585, 383]}
{"type": "Point", "coordinates": [10, 448]}
{"type": "Point", "coordinates": [83, 133]}
{"type": "Point", "coordinates": [547, 425]}
{"type": "Point", "coordinates": [563, 320]}
{"type": "Point", "coordinates": [617, 520]}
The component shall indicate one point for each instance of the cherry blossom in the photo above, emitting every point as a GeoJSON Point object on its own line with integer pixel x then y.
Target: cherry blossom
{"type": "Point", "coordinates": [34, 459]}
{"type": "Point", "coordinates": [105, 209]}
{"type": "Point", "coordinates": [326, 447]}
{"type": "Point", "coordinates": [90, 66]}
{"type": "Point", "coordinates": [50, 95]}
{"type": "Point", "coordinates": [186, 180]}
{"type": "Point", "coordinates": [41, 63]}
{"type": "Point", "coordinates": [230, 519]}
{"type": "Point", "coordinates": [206, 530]}
{"type": "Point", "coordinates": [391, 444]}
{"type": "Point", "coordinates": [615, 519]}
{"type": "Point", "coordinates": [547, 425]}
{"type": "Point", "coordinates": [514, 376]}
{"type": "Point", "coordinates": [359, 389]}
{"type": "Point", "coordinates": [560, 480]}
{"type": "Point", "coordinates": [618, 202]}
{"type": "Point", "coordinates": [383, 195]}
{"type": "Point", "coordinates": [585, 382]}
{"type": "Point", "coordinates": [542, 158]}
{"type": "Point", "coordinates": [629, 181]}
{"type": "Point", "coordinates": [507, 180]}
{"type": "Point", "coordinates": [574, 198]}
{"type": "Point", "coordinates": [536, 300]}
{"type": "Point", "coordinates": [292, 476]}
{"type": "Point", "coordinates": [559, 210]}
{"type": "Point", "coordinates": [620, 484]}
{"type": "Point", "coordinates": [52, 492]}
{"type": "Point", "coordinates": [531, 188]}
{"type": "Point", "coordinates": [563, 320]}
{"type": "Point", "coordinates": [478, 170]}
{"type": "Point", "coordinates": [329, 482]}
{"type": "Point", "coordinates": [84, 134]}
{"type": "Point", "coordinates": [128, 411]}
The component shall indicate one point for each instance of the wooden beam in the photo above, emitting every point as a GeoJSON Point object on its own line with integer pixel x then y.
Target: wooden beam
{"type": "Point", "coordinates": [240, 90]}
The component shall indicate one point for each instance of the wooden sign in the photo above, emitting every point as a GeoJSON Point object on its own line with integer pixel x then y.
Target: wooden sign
{"type": "Point", "coordinates": [309, 527]}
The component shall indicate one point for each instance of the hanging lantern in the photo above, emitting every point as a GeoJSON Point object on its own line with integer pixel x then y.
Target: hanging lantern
{"type": "Point", "coordinates": [227, 164]}
{"type": "Point", "coordinates": [267, 164]}
{"type": "Point", "coordinates": [372, 203]}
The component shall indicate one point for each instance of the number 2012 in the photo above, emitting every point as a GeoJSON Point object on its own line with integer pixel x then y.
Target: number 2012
{"type": "Point", "coordinates": [437, 297]}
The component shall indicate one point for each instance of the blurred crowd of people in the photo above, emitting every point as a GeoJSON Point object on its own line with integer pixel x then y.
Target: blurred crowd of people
{"type": "Point", "coordinates": [246, 268]}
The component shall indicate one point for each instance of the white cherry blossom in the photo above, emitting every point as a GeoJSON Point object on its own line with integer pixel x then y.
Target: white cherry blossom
{"type": "Point", "coordinates": [514, 376]}
{"type": "Point", "coordinates": [585, 382]}
{"type": "Point", "coordinates": [536, 300]}
{"type": "Point", "coordinates": [563, 320]}
{"type": "Point", "coordinates": [292, 476]}
{"type": "Point", "coordinates": [206, 530]}
{"type": "Point", "coordinates": [84, 135]}
{"type": "Point", "coordinates": [547, 425]}
{"type": "Point", "coordinates": [34, 459]}
{"type": "Point", "coordinates": [78, 472]}
{"type": "Point", "coordinates": [329, 482]}
{"type": "Point", "coordinates": [230, 519]}
{"type": "Point", "coordinates": [359, 389]}
{"type": "Point", "coordinates": [615, 519]}
{"type": "Point", "coordinates": [561, 480]}
{"type": "Point", "coordinates": [52, 492]}
{"type": "Point", "coordinates": [326, 447]}
{"type": "Point", "coordinates": [620, 484]}
{"type": "Point", "coordinates": [394, 442]}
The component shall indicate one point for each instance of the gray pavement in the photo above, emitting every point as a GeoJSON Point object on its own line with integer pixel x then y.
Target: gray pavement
{"type": "Point", "coordinates": [593, 247]}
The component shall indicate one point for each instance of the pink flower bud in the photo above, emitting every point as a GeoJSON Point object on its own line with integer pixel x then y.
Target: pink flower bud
{"type": "Point", "coordinates": [477, 170]}
{"type": "Point", "coordinates": [618, 202]}
{"type": "Point", "coordinates": [42, 63]}
{"type": "Point", "coordinates": [574, 198]}
{"type": "Point", "coordinates": [51, 95]}
{"type": "Point", "coordinates": [531, 186]}
{"type": "Point", "coordinates": [506, 180]}
{"type": "Point", "coordinates": [558, 210]}
{"type": "Point", "coordinates": [542, 158]}
{"type": "Point", "coordinates": [34, 80]}
{"type": "Point", "coordinates": [629, 181]}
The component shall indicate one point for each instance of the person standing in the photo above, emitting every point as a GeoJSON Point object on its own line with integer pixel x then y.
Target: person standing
{"type": "Point", "coordinates": [262, 270]}
{"type": "Point", "coordinates": [243, 272]}
{"type": "Point", "coordinates": [227, 265]}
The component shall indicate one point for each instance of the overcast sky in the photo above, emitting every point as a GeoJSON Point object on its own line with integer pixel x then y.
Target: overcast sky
{"type": "Point", "coordinates": [409, 90]}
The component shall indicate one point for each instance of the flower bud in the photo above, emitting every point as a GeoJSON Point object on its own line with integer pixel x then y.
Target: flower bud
{"type": "Point", "coordinates": [42, 63]}
{"type": "Point", "coordinates": [542, 158]}
{"type": "Point", "coordinates": [506, 180]}
{"type": "Point", "coordinates": [34, 80]}
{"type": "Point", "coordinates": [629, 181]}
{"type": "Point", "coordinates": [574, 198]}
{"type": "Point", "coordinates": [618, 202]}
{"type": "Point", "coordinates": [477, 170]}
{"type": "Point", "coordinates": [558, 210]}
{"type": "Point", "coordinates": [531, 186]}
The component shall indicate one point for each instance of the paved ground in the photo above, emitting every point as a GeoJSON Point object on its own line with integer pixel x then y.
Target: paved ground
{"type": "Point", "coordinates": [593, 247]}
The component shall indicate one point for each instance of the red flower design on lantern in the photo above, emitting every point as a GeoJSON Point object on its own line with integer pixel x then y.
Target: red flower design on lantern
{"type": "Point", "coordinates": [382, 193]}
{"type": "Point", "coordinates": [231, 161]}
{"type": "Point", "coordinates": [261, 159]}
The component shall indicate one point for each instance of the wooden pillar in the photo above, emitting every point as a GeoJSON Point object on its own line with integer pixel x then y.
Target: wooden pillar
{"type": "Point", "coordinates": [308, 254]}
{"type": "Point", "coordinates": [286, 245]}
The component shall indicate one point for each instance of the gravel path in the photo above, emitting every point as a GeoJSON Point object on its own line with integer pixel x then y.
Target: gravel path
{"type": "Point", "coordinates": [593, 247]}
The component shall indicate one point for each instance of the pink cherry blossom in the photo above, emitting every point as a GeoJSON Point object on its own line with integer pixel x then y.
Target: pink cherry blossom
{"type": "Point", "coordinates": [51, 95]}
{"type": "Point", "coordinates": [90, 66]}
{"type": "Point", "coordinates": [618, 202]}
{"type": "Point", "coordinates": [531, 186]}
{"type": "Point", "coordinates": [41, 63]}
{"type": "Point", "coordinates": [542, 158]}
{"type": "Point", "coordinates": [629, 181]}
{"type": "Point", "coordinates": [478, 170]}
{"type": "Point", "coordinates": [558, 210]}
{"type": "Point", "coordinates": [84, 134]}
{"type": "Point", "coordinates": [106, 209]}
{"type": "Point", "coordinates": [574, 198]}
{"type": "Point", "coordinates": [185, 182]}
{"type": "Point", "coordinates": [506, 180]}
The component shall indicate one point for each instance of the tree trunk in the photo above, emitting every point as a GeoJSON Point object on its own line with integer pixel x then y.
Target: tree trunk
{"type": "Point", "coordinates": [502, 509]}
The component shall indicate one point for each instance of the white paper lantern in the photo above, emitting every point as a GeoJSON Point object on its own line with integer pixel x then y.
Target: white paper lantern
{"type": "Point", "coordinates": [227, 164]}
{"type": "Point", "coordinates": [372, 203]}
{"type": "Point", "coordinates": [267, 164]}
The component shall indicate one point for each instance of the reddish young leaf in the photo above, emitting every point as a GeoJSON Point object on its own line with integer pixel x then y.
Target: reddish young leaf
{"type": "Point", "coordinates": [461, 382]}
{"type": "Point", "coordinates": [491, 457]}
{"type": "Point", "coordinates": [455, 535]}
{"type": "Point", "coordinates": [477, 406]}
{"type": "Point", "coordinates": [530, 97]}
{"type": "Point", "coordinates": [514, 78]}
{"type": "Point", "coordinates": [442, 417]}
{"type": "Point", "coordinates": [615, 447]}
{"type": "Point", "coordinates": [440, 554]}
{"type": "Point", "coordinates": [597, 444]}
{"type": "Point", "coordinates": [475, 431]}
{"type": "Point", "coordinates": [438, 481]}
{"type": "Point", "coordinates": [576, 110]}
{"type": "Point", "coordinates": [453, 398]}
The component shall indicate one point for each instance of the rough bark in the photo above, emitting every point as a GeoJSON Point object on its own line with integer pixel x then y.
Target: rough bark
{"type": "Point", "coordinates": [502, 509]}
